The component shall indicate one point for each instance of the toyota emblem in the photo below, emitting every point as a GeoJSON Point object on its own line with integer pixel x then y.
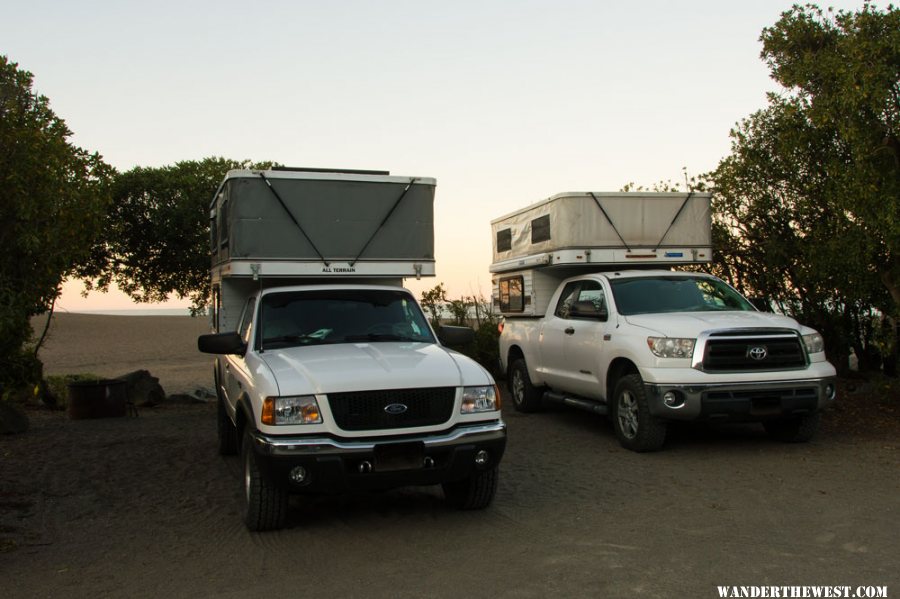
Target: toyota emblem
{"type": "Point", "coordinates": [395, 408]}
{"type": "Point", "coordinates": [758, 353]}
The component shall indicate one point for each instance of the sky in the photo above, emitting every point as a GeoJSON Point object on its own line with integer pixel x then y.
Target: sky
{"type": "Point", "coordinates": [504, 103]}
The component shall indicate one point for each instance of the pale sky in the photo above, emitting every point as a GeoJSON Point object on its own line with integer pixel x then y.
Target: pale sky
{"type": "Point", "coordinates": [504, 103]}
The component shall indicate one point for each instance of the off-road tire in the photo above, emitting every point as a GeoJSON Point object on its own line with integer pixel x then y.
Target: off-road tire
{"type": "Point", "coordinates": [798, 429]}
{"type": "Point", "coordinates": [265, 501]}
{"type": "Point", "coordinates": [475, 492]}
{"type": "Point", "coordinates": [227, 432]}
{"type": "Point", "coordinates": [636, 428]}
{"type": "Point", "coordinates": [526, 397]}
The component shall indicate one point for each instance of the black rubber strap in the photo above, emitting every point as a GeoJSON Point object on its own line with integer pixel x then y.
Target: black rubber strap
{"type": "Point", "coordinates": [385, 220]}
{"type": "Point", "coordinates": [294, 220]}
{"type": "Point", "coordinates": [671, 224]}
{"type": "Point", "coordinates": [609, 220]}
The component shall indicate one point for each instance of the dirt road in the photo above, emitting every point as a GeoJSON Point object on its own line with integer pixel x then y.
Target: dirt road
{"type": "Point", "coordinates": [143, 507]}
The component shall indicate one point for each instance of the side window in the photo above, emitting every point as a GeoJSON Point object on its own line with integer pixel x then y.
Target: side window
{"type": "Point", "coordinates": [223, 223]}
{"type": "Point", "coordinates": [568, 297]}
{"type": "Point", "coordinates": [512, 294]}
{"type": "Point", "coordinates": [246, 326]}
{"type": "Point", "coordinates": [576, 292]}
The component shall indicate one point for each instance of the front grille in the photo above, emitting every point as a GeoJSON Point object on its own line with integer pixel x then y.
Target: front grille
{"type": "Point", "coordinates": [731, 352]}
{"type": "Point", "coordinates": [802, 393]}
{"type": "Point", "coordinates": [365, 410]}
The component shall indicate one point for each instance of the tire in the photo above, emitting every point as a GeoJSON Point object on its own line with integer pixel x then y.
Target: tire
{"type": "Point", "coordinates": [636, 428]}
{"type": "Point", "coordinates": [227, 432]}
{"type": "Point", "coordinates": [475, 492]}
{"type": "Point", "coordinates": [265, 501]}
{"type": "Point", "coordinates": [799, 429]}
{"type": "Point", "coordinates": [526, 397]}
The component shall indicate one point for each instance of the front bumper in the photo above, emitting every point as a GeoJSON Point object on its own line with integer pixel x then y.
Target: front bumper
{"type": "Point", "coordinates": [336, 465]}
{"type": "Point", "coordinates": [751, 401]}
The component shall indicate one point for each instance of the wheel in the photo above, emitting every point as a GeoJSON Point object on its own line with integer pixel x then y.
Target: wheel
{"type": "Point", "coordinates": [475, 492]}
{"type": "Point", "coordinates": [799, 429]}
{"type": "Point", "coordinates": [636, 428]}
{"type": "Point", "coordinates": [265, 501]}
{"type": "Point", "coordinates": [526, 397]}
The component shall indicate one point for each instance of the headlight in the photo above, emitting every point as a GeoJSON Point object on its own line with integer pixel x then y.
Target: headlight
{"type": "Point", "coordinates": [480, 399]}
{"type": "Point", "coordinates": [671, 347]}
{"type": "Point", "coordinates": [291, 410]}
{"type": "Point", "coordinates": [815, 343]}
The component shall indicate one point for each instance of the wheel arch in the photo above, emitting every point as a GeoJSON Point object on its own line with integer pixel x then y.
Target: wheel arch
{"type": "Point", "coordinates": [618, 368]}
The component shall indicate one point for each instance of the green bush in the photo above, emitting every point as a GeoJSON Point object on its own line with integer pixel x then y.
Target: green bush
{"type": "Point", "coordinates": [57, 387]}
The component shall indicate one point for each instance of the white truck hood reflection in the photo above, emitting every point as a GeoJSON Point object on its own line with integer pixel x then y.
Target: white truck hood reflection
{"type": "Point", "coordinates": [353, 366]}
{"type": "Point", "coordinates": [690, 324]}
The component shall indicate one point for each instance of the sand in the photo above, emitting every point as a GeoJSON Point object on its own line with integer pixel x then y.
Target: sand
{"type": "Point", "coordinates": [110, 346]}
{"type": "Point", "coordinates": [145, 507]}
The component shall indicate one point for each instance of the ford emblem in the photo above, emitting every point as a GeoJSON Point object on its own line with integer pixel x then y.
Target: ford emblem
{"type": "Point", "coordinates": [395, 408]}
{"type": "Point", "coordinates": [758, 353]}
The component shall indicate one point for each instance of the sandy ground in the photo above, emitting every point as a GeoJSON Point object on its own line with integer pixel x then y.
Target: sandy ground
{"type": "Point", "coordinates": [115, 345]}
{"type": "Point", "coordinates": [144, 507]}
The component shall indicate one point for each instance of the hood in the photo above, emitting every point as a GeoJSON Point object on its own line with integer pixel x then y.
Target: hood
{"type": "Point", "coordinates": [353, 366]}
{"type": "Point", "coordinates": [691, 324]}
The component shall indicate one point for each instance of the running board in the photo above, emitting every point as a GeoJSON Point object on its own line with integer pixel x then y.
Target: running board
{"type": "Point", "coordinates": [576, 402]}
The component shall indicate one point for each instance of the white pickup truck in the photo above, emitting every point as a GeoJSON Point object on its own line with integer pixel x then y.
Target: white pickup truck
{"type": "Point", "coordinates": [647, 347]}
{"type": "Point", "coordinates": [329, 376]}
{"type": "Point", "coordinates": [644, 347]}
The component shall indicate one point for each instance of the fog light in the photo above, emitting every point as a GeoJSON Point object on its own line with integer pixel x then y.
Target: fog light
{"type": "Point", "coordinates": [298, 474]}
{"type": "Point", "coordinates": [481, 457]}
{"type": "Point", "coordinates": [673, 399]}
{"type": "Point", "coordinates": [830, 392]}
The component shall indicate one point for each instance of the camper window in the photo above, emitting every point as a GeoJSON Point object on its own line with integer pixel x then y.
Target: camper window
{"type": "Point", "coordinates": [504, 240]}
{"type": "Point", "coordinates": [512, 295]}
{"type": "Point", "coordinates": [540, 229]}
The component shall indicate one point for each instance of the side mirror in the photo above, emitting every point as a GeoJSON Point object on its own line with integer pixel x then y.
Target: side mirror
{"type": "Point", "coordinates": [761, 304]}
{"type": "Point", "coordinates": [221, 343]}
{"type": "Point", "coordinates": [455, 336]}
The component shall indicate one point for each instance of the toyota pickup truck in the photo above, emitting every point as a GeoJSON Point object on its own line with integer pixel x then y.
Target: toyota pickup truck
{"type": "Point", "coordinates": [328, 375]}
{"type": "Point", "coordinates": [644, 347]}
{"type": "Point", "coordinates": [649, 347]}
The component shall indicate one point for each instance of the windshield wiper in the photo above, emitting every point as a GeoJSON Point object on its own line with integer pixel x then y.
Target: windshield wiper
{"type": "Point", "coordinates": [306, 339]}
{"type": "Point", "coordinates": [380, 337]}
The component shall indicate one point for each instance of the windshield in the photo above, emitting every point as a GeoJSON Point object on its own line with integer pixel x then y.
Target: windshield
{"type": "Point", "coordinates": [652, 295]}
{"type": "Point", "coordinates": [340, 316]}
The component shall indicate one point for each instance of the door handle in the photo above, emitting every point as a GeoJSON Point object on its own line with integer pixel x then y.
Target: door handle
{"type": "Point", "coordinates": [569, 331]}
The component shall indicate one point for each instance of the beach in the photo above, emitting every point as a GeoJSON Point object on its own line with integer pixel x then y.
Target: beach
{"type": "Point", "coordinates": [145, 507]}
{"type": "Point", "coordinates": [110, 346]}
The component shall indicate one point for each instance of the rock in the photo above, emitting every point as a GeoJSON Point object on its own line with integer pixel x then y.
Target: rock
{"type": "Point", "coordinates": [12, 419]}
{"type": "Point", "coordinates": [183, 398]}
{"type": "Point", "coordinates": [144, 389]}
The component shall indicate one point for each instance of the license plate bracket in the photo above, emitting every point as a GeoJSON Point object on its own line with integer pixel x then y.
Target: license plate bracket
{"type": "Point", "coordinates": [390, 457]}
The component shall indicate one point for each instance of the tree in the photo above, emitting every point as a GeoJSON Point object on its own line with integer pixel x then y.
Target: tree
{"type": "Point", "coordinates": [843, 70]}
{"type": "Point", "coordinates": [54, 195]}
{"type": "Point", "coordinates": [807, 206]}
{"type": "Point", "coordinates": [433, 300]}
{"type": "Point", "coordinates": [157, 232]}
